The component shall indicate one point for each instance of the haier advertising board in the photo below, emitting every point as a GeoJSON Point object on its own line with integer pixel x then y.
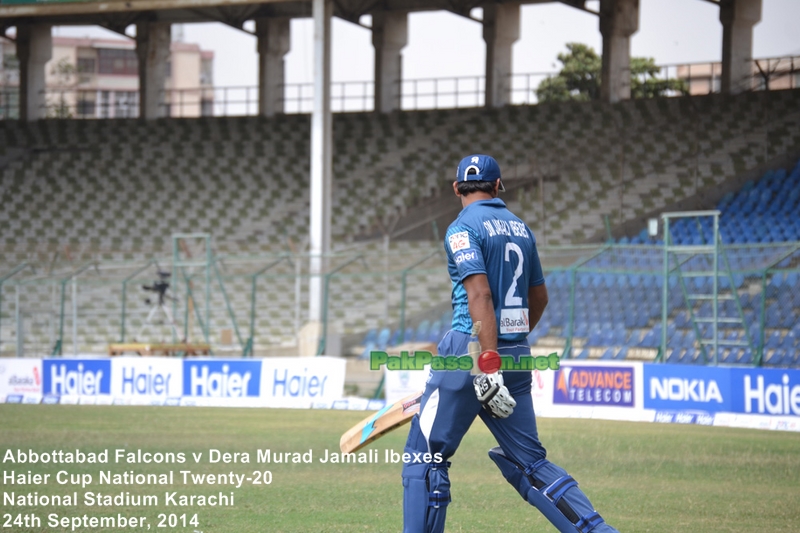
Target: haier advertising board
{"type": "Point", "coordinates": [74, 380]}
{"type": "Point", "coordinates": [223, 382]}
{"type": "Point", "coordinates": [146, 380]}
{"type": "Point", "coordinates": [301, 381]}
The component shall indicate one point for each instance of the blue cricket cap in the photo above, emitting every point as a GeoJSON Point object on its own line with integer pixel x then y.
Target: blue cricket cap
{"type": "Point", "coordinates": [479, 167]}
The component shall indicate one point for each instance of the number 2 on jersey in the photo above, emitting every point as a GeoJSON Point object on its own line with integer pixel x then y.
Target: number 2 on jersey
{"type": "Point", "coordinates": [511, 300]}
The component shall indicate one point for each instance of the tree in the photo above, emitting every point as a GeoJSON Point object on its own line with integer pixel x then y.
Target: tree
{"type": "Point", "coordinates": [63, 72]}
{"type": "Point", "coordinates": [645, 84]}
{"type": "Point", "coordinates": [579, 78]}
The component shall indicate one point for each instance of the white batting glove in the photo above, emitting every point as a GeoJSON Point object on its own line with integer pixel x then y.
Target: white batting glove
{"type": "Point", "coordinates": [493, 395]}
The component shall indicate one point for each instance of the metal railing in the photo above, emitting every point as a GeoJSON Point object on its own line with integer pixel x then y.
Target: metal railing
{"type": "Point", "coordinates": [358, 96]}
{"type": "Point", "coordinates": [603, 299]}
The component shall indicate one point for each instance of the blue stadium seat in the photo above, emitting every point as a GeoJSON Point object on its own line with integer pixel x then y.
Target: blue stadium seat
{"type": "Point", "coordinates": [688, 357]}
{"type": "Point", "coordinates": [422, 331]}
{"type": "Point", "coordinates": [732, 355]}
{"type": "Point", "coordinates": [368, 348]}
{"type": "Point", "coordinates": [775, 357]}
{"type": "Point", "coordinates": [437, 331]}
{"type": "Point", "coordinates": [773, 341]}
{"type": "Point", "coordinates": [608, 354]}
{"type": "Point", "coordinates": [370, 337]}
{"type": "Point", "coordinates": [383, 339]}
{"type": "Point", "coordinates": [674, 356]}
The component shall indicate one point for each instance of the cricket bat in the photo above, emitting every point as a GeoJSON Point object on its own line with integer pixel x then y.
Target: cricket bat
{"type": "Point", "coordinates": [375, 426]}
{"type": "Point", "coordinates": [474, 347]}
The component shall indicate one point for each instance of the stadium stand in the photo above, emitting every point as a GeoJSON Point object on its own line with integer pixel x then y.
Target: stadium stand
{"type": "Point", "coordinates": [763, 214]}
{"type": "Point", "coordinates": [114, 191]}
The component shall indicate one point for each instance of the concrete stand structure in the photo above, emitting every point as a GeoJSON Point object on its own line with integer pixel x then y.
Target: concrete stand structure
{"type": "Point", "coordinates": [152, 47]}
{"type": "Point", "coordinates": [389, 37]}
{"type": "Point", "coordinates": [34, 49]}
{"type": "Point", "coordinates": [619, 19]}
{"type": "Point", "coordinates": [273, 44]}
{"type": "Point", "coordinates": [500, 31]}
{"type": "Point", "coordinates": [738, 18]}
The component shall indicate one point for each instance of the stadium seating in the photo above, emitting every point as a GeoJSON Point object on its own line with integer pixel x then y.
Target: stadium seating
{"type": "Point", "coordinates": [116, 190]}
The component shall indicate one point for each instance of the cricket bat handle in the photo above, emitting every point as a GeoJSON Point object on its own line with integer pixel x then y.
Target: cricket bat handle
{"type": "Point", "coordinates": [474, 348]}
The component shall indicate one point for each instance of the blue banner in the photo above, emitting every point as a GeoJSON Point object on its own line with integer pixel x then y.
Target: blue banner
{"type": "Point", "coordinates": [76, 377]}
{"type": "Point", "coordinates": [221, 378]}
{"type": "Point", "coordinates": [687, 387]}
{"type": "Point", "coordinates": [765, 391]}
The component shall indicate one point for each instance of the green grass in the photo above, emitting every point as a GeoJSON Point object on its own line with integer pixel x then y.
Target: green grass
{"type": "Point", "coordinates": [641, 477]}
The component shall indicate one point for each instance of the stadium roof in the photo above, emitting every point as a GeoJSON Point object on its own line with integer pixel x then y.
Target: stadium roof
{"type": "Point", "coordinates": [117, 15]}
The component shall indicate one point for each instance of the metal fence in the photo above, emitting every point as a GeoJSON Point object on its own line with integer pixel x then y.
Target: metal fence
{"type": "Point", "coordinates": [240, 305]}
{"type": "Point", "coordinates": [358, 96]}
{"type": "Point", "coordinates": [606, 301]}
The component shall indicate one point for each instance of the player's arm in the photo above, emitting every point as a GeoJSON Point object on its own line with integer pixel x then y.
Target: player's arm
{"type": "Point", "coordinates": [537, 302]}
{"type": "Point", "coordinates": [489, 388]}
{"type": "Point", "coordinates": [481, 308]}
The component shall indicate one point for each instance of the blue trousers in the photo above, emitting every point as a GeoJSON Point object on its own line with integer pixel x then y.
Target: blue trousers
{"type": "Point", "coordinates": [449, 406]}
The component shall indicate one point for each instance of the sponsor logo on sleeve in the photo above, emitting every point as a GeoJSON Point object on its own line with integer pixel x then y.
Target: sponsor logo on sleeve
{"type": "Point", "coordinates": [458, 241]}
{"type": "Point", "coordinates": [460, 257]}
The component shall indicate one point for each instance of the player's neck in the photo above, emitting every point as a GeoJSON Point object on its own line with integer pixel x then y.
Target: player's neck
{"type": "Point", "coordinates": [474, 197]}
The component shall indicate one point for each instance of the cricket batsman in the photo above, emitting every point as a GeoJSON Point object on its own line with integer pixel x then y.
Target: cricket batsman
{"type": "Point", "coordinates": [497, 282]}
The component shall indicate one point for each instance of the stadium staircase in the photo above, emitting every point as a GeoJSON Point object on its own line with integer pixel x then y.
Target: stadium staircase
{"type": "Point", "coordinates": [618, 293]}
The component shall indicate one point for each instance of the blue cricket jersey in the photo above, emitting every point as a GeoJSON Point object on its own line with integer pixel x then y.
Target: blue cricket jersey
{"type": "Point", "coordinates": [487, 238]}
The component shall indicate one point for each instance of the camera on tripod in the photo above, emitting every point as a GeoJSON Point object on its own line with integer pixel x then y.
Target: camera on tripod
{"type": "Point", "coordinates": [159, 287]}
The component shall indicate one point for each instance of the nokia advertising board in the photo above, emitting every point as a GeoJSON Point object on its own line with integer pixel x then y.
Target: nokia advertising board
{"type": "Point", "coordinates": [694, 388]}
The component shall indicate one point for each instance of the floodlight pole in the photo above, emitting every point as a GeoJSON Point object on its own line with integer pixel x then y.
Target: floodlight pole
{"type": "Point", "coordinates": [321, 158]}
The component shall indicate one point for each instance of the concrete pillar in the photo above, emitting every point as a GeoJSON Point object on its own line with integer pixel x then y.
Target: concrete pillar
{"type": "Point", "coordinates": [34, 50]}
{"type": "Point", "coordinates": [619, 19]}
{"type": "Point", "coordinates": [389, 37]}
{"type": "Point", "coordinates": [321, 190]}
{"type": "Point", "coordinates": [273, 44]}
{"type": "Point", "coordinates": [500, 31]}
{"type": "Point", "coordinates": [738, 18]}
{"type": "Point", "coordinates": [152, 47]}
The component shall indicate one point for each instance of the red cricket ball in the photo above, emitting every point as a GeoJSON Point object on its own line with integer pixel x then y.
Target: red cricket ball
{"type": "Point", "coordinates": [489, 362]}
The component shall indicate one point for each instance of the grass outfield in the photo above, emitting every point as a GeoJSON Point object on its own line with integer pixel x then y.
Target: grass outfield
{"type": "Point", "coordinates": [641, 477]}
